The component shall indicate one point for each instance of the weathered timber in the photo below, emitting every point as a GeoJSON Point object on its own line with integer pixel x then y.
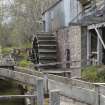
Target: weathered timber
{"type": "Point", "coordinates": [57, 63]}
{"type": "Point", "coordinates": [19, 76]}
{"type": "Point", "coordinates": [96, 25]}
{"type": "Point", "coordinates": [99, 36]}
{"type": "Point", "coordinates": [54, 97]}
{"type": "Point", "coordinates": [40, 92]}
{"type": "Point", "coordinates": [9, 97]}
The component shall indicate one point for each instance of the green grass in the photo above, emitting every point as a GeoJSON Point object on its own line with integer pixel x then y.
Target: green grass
{"type": "Point", "coordinates": [94, 74]}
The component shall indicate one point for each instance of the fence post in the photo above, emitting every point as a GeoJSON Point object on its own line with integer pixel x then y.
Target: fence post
{"type": "Point", "coordinates": [97, 90]}
{"type": "Point", "coordinates": [54, 97]}
{"type": "Point", "coordinates": [33, 99]}
{"type": "Point", "coordinates": [40, 92]}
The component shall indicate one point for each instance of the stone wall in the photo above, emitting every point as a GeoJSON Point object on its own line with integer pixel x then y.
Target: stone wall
{"type": "Point", "coordinates": [62, 41]}
{"type": "Point", "coordinates": [70, 39]}
{"type": "Point", "coordinates": [74, 40]}
{"type": "Point", "coordinates": [84, 46]}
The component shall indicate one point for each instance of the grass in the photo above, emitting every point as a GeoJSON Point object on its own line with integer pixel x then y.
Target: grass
{"type": "Point", "coordinates": [94, 74]}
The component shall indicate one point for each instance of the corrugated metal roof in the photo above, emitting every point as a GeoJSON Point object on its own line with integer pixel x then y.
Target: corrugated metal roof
{"type": "Point", "coordinates": [58, 1]}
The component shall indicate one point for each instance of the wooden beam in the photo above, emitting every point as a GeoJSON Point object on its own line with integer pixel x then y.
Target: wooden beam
{"type": "Point", "coordinates": [56, 63]}
{"type": "Point", "coordinates": [96, 25]}
{"type": "Point", "coordinates": [19, 76]}
{"type": "Point", "coordinates": [99, 49]}
{"type": "Point", "coordinates": [88, 47]}
{"type": "Point", "coordinates": [9, 97]}
{"type": "Point", "coordinates": [55, 97]}
{"type": "Point", "coordinates": [99, 36]}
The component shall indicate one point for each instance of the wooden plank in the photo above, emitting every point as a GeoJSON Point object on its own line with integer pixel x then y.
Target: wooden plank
{"type": "Point", "coordinates": [29, 71]}
{"type": "Point", "coordinates": [100, 38]}
{"type": "Point", "coordinates": [19, 76]}
{"type": "Point", "coordinates": [56, 63]}
{"type": "Point", "coordinates": [54, 97]}
{"type": "Point", "coordinates": [9, 97]}
{"type": "Point", "coordinates": [40, 92]}
{"type": "Point", "coordinates": [96, 25]}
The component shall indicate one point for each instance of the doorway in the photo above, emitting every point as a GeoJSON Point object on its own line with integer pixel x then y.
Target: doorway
{"type": "Point", "coordinates": [93, 47]}
{"type": "Point", "coordinates": [97, 51]}
{"type": "Point", "coordinates": [103, 50]}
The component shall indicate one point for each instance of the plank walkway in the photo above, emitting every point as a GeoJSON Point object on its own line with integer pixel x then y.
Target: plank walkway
{"type": "Point", "coordinates": [67, 101]}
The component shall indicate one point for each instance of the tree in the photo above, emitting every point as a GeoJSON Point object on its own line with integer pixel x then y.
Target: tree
{"type": "Point", "coordinates": [20, 19]}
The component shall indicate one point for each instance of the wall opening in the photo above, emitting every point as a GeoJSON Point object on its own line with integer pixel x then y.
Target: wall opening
{"type": "Point", "coordinates": [68, 58]}
{"type": "Point", "coordinates": [93, 54]}
{"type": "Point", "coordinates": [97, 51]}
{"type": "Point", "coordinates": [103, 50]}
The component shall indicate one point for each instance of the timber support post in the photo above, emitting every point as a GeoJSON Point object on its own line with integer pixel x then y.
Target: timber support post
{"type": "Point", "coordinates": [40, 92]}
{"type": "Point", "coordinates": [54, 97]}
{"type": "Point", "coordinates": [97, 89]}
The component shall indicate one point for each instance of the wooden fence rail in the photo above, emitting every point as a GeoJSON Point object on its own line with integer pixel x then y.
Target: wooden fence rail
{"type": "Point", "coordinates": [90, 93]}
{"type": "Point", "coordinates": [9, 97]}
{"type": "Point", "coordinates": [27, 79]}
